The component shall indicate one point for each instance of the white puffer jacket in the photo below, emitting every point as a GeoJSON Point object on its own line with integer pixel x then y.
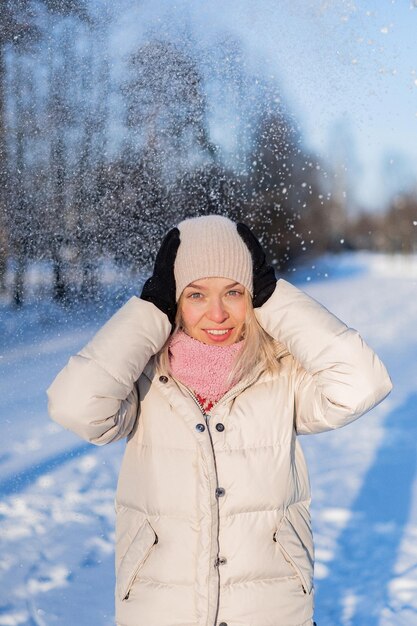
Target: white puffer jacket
{"type": "Point", "coordinates": [213, 524]}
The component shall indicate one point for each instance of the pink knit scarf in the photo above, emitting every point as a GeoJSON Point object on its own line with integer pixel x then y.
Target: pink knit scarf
{"type": "Point", "coordinates": [203, 368]}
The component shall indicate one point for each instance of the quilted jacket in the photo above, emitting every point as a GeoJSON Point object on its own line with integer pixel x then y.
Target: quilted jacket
{"type": "Point", "coordinates": [213, 524]}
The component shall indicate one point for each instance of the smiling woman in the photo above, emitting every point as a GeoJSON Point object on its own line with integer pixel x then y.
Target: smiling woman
{"type": "Point", "coordinates": [211, 374]}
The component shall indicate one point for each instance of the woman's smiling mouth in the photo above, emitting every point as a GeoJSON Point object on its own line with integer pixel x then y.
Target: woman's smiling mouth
{"type": "Point", "coordinates": [218, 334]}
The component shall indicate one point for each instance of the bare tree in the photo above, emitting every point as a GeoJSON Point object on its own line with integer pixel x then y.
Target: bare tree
{"type": "Point", "coordinates": [20, 31]}
{"type": "Point", "coordinates": [400, 224]}
{"type": "Point", "coordinates": [288, 206]}
{"type": "Point", "coordinates": [90, 220]}
{"type": "Point", "coordinates": [166, 103]}
{"type": "Point", "coordinates": [166, 114]}
{"type": "Point", "coordinates": [23, 232]}
{"type": "Point", "coordinates": [17, 30]}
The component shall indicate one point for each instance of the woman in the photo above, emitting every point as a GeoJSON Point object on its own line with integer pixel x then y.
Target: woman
{"type": "Point", "coordinates": [210, 375]}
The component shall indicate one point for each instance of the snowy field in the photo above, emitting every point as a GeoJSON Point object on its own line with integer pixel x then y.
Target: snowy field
{"type": "Point", "coordinates": [56, 492]}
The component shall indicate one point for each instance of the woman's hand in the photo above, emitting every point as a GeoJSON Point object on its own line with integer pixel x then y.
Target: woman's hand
{"type": "Point", "coordinates": [264, 281]}
{"type": "Point", "coordinates": [160, 287]}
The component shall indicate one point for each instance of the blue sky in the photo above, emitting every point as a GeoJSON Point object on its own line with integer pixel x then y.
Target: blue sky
{"type": "Point", "coordinates": [348, 69]}
{"type": "Point", "coordinates": [353, 64]}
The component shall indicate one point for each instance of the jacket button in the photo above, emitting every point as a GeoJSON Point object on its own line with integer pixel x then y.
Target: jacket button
{"type": "Point", "coordinates": [222, 624]}
{"type": "Point", "coordinates": [200, 427]}
{"type": "Point", "coordinates": [163, 379]}
{"type": "Point", "coordinates": [220, 427]}
{"type": "Point", "coordinates": [220, 492]}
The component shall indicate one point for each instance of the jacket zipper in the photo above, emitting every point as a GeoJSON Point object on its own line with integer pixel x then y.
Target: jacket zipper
{"type": "Point", "coordinates": [207, 419]}
{"type": "Point", "coordinates": [231, 392]}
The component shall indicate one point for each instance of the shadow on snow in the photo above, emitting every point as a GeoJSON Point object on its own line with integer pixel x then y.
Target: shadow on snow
{"type": "Point", "coordinates": [364, 561]}
{"type": "Point", "coordinates": [21, 480]}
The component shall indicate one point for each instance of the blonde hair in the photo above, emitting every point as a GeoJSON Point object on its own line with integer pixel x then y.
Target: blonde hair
{"type": "Point", "coordinates": [260, 352]}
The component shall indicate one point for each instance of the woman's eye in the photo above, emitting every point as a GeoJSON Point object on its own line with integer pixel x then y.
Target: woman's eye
{"type": "Point", "coordinates": [195, 296]}
{"type": "Point", "coordinates": [234, 293]}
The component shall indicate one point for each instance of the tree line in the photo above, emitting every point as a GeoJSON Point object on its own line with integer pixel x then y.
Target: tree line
{"type": "Point", "coordinates": [97, 165]}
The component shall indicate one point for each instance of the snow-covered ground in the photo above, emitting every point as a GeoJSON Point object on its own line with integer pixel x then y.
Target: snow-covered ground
{"type": "Point", "coordinates": [56, 492]}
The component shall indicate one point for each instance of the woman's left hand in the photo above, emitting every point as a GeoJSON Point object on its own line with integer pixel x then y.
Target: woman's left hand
{"type": "Point", "coordinates": [264, 280]}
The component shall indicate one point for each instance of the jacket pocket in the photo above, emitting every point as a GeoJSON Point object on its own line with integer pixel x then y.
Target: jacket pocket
{"type": "Point", "coordinates": [135, 556]}
{"type": "Point", "coordinates": [295, 552]}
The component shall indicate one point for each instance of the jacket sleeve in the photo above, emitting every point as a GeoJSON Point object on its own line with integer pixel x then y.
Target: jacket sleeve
{"type": "Point", "coordinates": [338, 377]}
{"type": "Point", "coordinates": [95, 394]}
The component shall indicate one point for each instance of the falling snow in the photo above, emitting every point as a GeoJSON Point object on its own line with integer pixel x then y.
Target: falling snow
{"type": "Point", "coordinates": [116, 121]}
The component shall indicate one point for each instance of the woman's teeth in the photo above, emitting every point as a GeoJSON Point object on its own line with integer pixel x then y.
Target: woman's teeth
{"type": "Point", "coordinates": [218, 332]}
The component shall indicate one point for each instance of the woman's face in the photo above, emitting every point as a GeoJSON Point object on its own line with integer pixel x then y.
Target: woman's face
{"type": "Point", "coordinates": [213, 310]}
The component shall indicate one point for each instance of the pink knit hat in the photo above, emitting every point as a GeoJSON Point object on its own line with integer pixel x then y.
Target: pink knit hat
{"type": "Point", "coordinates": [211, 246]}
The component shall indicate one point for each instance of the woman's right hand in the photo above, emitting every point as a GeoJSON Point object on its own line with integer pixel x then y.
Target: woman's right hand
{"type": "Point", "coordinates": [160, 287]}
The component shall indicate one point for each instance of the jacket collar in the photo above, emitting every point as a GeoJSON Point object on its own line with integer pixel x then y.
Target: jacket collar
{"type": "Point", "coordinates": [151, 372]}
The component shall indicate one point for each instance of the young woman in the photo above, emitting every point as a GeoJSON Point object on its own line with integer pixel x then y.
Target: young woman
{"type": "Point", "coordinates": [211, 374]}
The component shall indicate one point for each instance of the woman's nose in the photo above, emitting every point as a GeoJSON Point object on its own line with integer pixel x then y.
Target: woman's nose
{"type": "Point", "coordinates": [217, 311]}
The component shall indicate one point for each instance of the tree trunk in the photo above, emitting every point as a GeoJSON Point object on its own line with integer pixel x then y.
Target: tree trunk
{"type": "Point", "coordinates": [60, 292]}
{"type": "Point", "coordinates": [3, 178]}
{"type": "Point", "coordinates": [19, 281]}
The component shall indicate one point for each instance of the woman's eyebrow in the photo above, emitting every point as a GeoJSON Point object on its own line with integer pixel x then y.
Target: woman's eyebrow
{"type": "Point", "coordinates": [202, 288]}
{"type": "Point", "coordinates": [195, 286]}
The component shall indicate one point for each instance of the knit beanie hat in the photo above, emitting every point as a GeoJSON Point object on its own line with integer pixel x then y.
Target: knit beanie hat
{"type": "Point", "coordinates": [211, 247]}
